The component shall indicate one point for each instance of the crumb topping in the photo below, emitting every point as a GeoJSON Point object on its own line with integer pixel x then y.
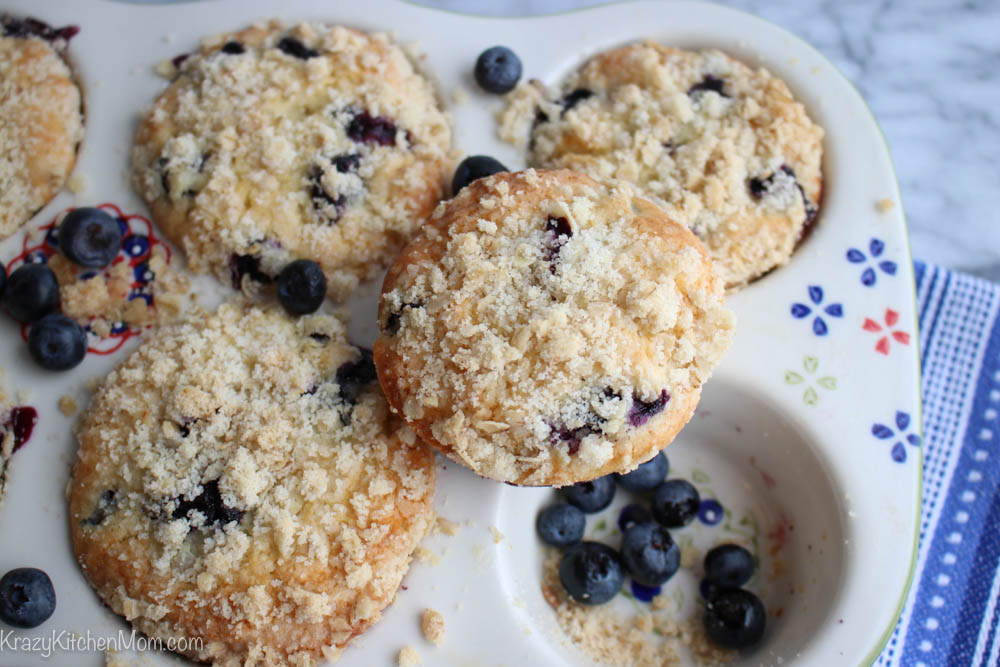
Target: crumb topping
{"type": "Point", "coordinates": [725, 147]}
{"type": "Point", "coordinates": [41, 124]}
{"type": "Point", "coordinates": [543, 328]}
{"type": "Point", "coordinates": [105, 299]}
{"type": "Point", "coordinates": [232, 483]}
{"type": "Point", "coordinates": [278, 143]}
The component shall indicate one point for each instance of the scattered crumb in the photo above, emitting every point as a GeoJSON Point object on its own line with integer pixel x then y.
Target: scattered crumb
{"type": "Point", "coordinates": [67, 405]}
{"type": "Point", "coordinates": [425, 555]}
{"type": "Point", "coordinates": [459, 95]}
{"type": "Point", "coordinates": [447, 527]}
{"type": "Point", "coordinates": [166, 69]}
{"type": "Point", "coordinates": [497, 535]}
{"type": "Point", "coordinates": [408, 657]}
{"type": "Point", "coordinates": [432, 626]}
{"type": "Point", "coordinates": [76, 184]}
{"type": "Point", "coordinates": [884, 205]}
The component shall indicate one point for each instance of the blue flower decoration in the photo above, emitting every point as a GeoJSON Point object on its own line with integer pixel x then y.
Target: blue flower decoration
{"type": "Point", "coordinates": [710, 512]}
{"type": "Point", "coordinates": [883, 432]}
{"type": "Point", "coordinates": [875, 247]}
{"type": "Point", "coordinates": [142, 273]}
{"type": "Point", "coordinates": [801, 310]}
{"type": "Point", "coordinates": [135, 245]}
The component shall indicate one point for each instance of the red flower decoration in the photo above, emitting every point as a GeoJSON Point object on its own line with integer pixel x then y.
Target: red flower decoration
{"type": "Point", "coordinates": [891, 317]}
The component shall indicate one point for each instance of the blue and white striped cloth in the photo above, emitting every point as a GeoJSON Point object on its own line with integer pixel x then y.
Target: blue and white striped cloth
{"type": "Point", "coordinates": [952, 613]}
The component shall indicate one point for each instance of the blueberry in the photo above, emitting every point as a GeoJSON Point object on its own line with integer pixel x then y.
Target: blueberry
{"type": "Point", "coordinates": [591, 572]}
{"type": "Point", "coordinates": [633, 514]}
{"type": "Point", "coordinates": [561, 525]}
{"type": "Point", "coordinates": [675, 503]}
{"type": "Point", "coordinates": [233, 48]}
{"type": "Point", "coordinates": [647, 476]}
{"type": "Point", "coordinates": [591, 496]}
{"type": "Point", "coordinates": [728, 565]}
{"type": "Point", "coordinates": [301, 287]}
{"type": "Point", "coordinates": [90, 237]}
{"type": "Point", "coordinates": [27, 598]}
{"type": "Point", "coordinates": [56, 342]}
{"type": "Point", "coordinates": [735, 618]}
{"type": "Point", "coordinates": [246, 265]}
{"type": "Point", "coordinates": [473, 168]}
{"type": "Point", "coordinates": [368, 129]}
{"type": "Point", "coordinates": [574, 98]}
{"type": "Point", "coordinates": [353, 376]}
{"type": "Point", "coordinates": [497, 69]}
{"type": "Point", "coordinates": [296, 49]}
{"type": "Point", "coordinates": [31, 292]}
{"type": "Point", "coordinates": [709, 83]}
{"type": "Point", "coordinates": [211, 506]}
{"type": "Point", "coordinates": [649, 553]}
{"type": "Point", "coordinates": [642, 411]}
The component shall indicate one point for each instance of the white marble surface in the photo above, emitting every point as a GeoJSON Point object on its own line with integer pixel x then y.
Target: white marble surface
{"type": "Point", "coordinates": [930, 70]}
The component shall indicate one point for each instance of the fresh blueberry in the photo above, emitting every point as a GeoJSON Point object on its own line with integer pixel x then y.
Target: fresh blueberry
{"type": "Point", "coordinates": [675, 503]}
{"type": "Point", "coordinates": [592, 496]}
{"type": "Point", "coordinates": [728, 565]}
{"type": "Point", "coordinates": [497, 69]}
{"type": "Point", "coordinates": [90, 237]}
{"type": "Point", "coordinates": [650, 555]}
{"type": "Point", "coordinates": [301, 287]}
{"type": "Point", "coordinates": [647, 476]}
{"type": "Point", "coordinates": [473, 168]}
{"type": "Point", "coordinates": [591, 572]}
{"type": "Point", "coordinates": [561, 525]}
{"type": "Point", "coordinates": [735, 618]}
{"type": "Point", "coordinates": [56, 342]}
{"type": "Point", "coordinates": [633, 514]}
{"type": "Point", "coordinates": [31, 292]}
{"type": "Point", "coordinates": [27, 598]}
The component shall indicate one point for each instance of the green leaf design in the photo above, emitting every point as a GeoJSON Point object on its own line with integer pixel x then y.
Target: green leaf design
{"type": "Point", "coordinates": [601, 525]}
{"type": "Point", "coordinates": [628, 594]}
{"type": "Point", "coordinates": [679, 597]}
{"type": "Point", "coordinates": [810, 396]}
{"type": "Point", "coordinates": [657, 632]}
{"type": "Point", "coordinates": [791, 377]}
{"type": "Point", "coordinates": [827, 382]}
{"type": "Point", "coordinates": [700, 476]}
{"type": "Point", "coordinates": [810, 364]}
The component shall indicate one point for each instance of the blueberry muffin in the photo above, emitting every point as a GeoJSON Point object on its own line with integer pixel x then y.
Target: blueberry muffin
{"type": "Point", "coordinates": [274, 144]}
{"type": "Point", "coordinates": [41, 118]}
{"type": "Point", "coordinates": [241, 480]}
{"type": "Point", "coordinates": [725, 147]}
{"type": "Point", "coordinates": [543, 328]}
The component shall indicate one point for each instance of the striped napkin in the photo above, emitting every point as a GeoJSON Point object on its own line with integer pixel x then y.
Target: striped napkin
{"type": "Point", "coordinates": [952, 615]}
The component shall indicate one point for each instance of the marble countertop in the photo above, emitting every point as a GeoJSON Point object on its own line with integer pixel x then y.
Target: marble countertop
{"type": "Point", "coordinates": [930, 70]}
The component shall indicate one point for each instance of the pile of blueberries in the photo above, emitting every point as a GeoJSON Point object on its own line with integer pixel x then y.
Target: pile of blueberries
{"type": "Point", "coordinates": [88, 237]}
{"type": "Point", "coordinates": [593, 573]}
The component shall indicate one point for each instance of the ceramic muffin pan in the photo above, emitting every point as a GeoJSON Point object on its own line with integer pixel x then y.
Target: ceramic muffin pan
{"type": "Point", "coordinates": [807, 438]}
